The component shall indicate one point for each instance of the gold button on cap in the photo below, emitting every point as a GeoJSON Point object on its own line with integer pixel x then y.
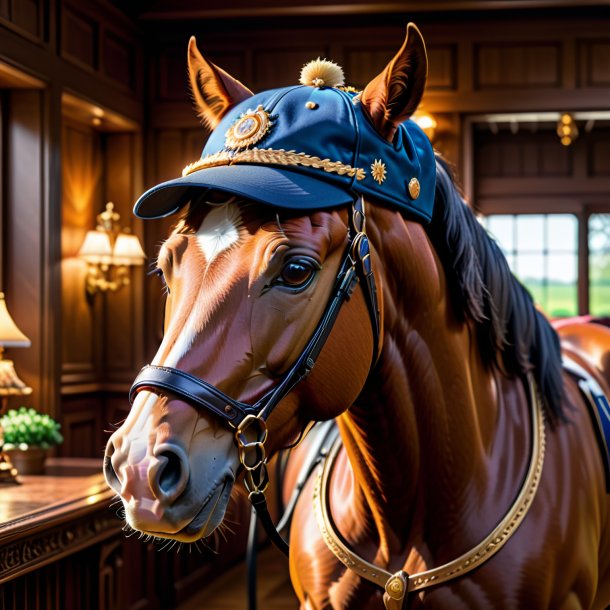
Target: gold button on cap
{"type": "Point", "coordinates": [414, 188]}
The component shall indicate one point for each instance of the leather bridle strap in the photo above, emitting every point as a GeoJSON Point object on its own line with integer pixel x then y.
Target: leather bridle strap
{"type": "Point", "coordinates": [248, 420]}
{"type": "Point", "coordinates": [398, 585]}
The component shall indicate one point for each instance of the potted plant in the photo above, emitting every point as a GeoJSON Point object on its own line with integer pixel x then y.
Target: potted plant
{"type": "Point", "coordinates": [28, 435]}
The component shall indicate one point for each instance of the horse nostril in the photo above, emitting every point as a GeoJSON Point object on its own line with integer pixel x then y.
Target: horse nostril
{"type": "Point", "coordinates": [173, 474]}
{"type": "Point", "coordinates": [170, 473]}
{"type": "Point", "coordinates": [110, 474]}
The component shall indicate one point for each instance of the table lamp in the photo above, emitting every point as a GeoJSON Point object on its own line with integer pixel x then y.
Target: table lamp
{"type": "Point", "coordinates": [10, 384]}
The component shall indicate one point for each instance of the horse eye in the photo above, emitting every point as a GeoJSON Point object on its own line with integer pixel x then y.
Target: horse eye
{"type": "Point", "coordinates": [296, 273]}
{"type": "Point", "coordinates": [159, 273]}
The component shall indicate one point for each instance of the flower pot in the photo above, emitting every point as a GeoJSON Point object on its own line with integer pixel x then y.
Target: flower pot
{"type": "Point", "coordinates": [28, 461]}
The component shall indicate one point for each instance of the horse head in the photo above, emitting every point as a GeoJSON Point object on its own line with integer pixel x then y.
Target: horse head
{"type": "Point", "coordinates": [260, 274]}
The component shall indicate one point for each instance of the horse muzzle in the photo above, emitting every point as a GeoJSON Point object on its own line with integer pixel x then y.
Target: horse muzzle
{"type": "Point", "coordinates": [162, 493]}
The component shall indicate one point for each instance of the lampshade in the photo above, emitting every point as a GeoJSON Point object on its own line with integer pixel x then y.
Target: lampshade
{"type": "Point", "coordinates": [127, 250]}
{"type": "Point", "coordinates": [10, 335]}
{"type": "Point", "coordinates": [96, 248]}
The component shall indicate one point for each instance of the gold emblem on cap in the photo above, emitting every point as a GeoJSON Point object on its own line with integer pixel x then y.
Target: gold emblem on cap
{"type": "Point", "coordinates": [250, 128]}
{"type": "Point", "coordinates": [414, 188]}
{"type": "Point", "coordinates": [378, 170]}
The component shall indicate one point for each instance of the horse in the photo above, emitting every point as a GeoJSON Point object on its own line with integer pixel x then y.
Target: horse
{"type": "Point", "coordinates": [467, 471]}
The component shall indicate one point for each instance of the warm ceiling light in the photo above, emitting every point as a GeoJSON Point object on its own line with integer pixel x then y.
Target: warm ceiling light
{"type": "Point", "coordinates": [109, 252]}
{"type": "Point", "coordinates": [567, 129]}
{"type": "Point", "coordinates": [426, 122]}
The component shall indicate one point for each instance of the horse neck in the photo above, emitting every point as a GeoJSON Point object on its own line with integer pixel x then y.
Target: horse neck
{"type": "Point", "coordinates": [421, 435]}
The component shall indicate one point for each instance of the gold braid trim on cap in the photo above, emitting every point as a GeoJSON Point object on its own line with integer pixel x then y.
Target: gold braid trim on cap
{"type": "Point", "coordinates": [274, 157]}
{"type": "Point", "coordinates": [488, 547]}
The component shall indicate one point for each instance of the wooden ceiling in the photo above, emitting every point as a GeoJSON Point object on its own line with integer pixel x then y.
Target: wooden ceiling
{"type": "Point", "coordinates": [179, 10]}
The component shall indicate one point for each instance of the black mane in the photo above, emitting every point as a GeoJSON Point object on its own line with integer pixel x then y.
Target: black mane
{"type": "Point", "coordinates": [513, 334]}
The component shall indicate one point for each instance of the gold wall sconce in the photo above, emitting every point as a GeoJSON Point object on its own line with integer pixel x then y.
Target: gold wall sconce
{"type": "Point", "coordinates": [10, 384]}
{"type": "Point", "coordinates": [109, 252]}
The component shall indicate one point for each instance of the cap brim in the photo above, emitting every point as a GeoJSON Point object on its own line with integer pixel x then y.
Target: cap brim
{"type": "Point", "coordinates": [274, 186]}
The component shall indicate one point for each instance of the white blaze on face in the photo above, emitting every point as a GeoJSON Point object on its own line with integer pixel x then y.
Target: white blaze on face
{"type": "Point", "coordinates": [219, 231]}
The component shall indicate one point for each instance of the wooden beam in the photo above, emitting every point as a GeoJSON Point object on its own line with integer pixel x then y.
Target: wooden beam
{"type": "Point", "coordinates": [168, 11]}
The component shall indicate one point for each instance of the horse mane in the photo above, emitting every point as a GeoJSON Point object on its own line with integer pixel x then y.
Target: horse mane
{"type": "Point", "coordinates": [513, 335]}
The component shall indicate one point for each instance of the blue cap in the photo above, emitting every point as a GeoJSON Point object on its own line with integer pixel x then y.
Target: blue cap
{"type": "Point", "coordinates": [305, 148]}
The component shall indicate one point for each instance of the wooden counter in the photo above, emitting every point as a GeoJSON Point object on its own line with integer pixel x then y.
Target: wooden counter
{"type": "Point", "coordinates": [49, 517]}
{"type": "Point", "coordinates": [62, 547]}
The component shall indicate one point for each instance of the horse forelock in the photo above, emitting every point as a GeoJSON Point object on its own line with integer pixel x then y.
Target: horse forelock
{"type": "Point", "coordinates": [512, 333]}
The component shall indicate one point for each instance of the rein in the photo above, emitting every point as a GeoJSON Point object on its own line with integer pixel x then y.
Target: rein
{"type": "Point", "coordinates": [249, 421]}
{"type": "Point", "coordinates": [399, 585]}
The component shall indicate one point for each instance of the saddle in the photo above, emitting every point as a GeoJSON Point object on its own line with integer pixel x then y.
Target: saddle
{"type": "Point", "coordinates": [586, 357]}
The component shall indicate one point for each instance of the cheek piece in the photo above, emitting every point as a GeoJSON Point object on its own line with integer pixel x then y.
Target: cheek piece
{"type": "Point", "coordinates": [249, 420]}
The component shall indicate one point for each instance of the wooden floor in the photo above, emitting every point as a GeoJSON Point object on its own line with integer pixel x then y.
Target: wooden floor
{"type": "Point", "coordinates": [229, 591]}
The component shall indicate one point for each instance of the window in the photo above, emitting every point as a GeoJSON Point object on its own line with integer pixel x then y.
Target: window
{"type": "Point", "coordinates": [599, 264]}
{"type": "Point", "coordinates": [542, 251]}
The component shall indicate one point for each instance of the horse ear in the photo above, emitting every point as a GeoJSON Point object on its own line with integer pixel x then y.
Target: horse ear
{"type": "Point", "coordinates": [394, 94]}
{"type": "Point", "coordinates": [214, 91]}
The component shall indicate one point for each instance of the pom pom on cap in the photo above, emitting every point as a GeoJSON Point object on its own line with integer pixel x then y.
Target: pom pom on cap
{"type": "Point", "coordinates": [322, 73]}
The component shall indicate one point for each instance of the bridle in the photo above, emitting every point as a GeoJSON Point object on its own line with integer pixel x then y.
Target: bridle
{"type": "Point", "coordinates": [249, 420]}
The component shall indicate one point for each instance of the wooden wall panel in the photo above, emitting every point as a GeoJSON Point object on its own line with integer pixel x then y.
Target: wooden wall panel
{"type": "Point", "coordinates": [599, 158]}
{"type": "Point", "coordinates": [523, 154]}
{"type": "Point", "coordinates": [267, 71]}
{"type": "Point", "coordinates": [173, 149]}
{"type": "Point", "coordinates": [171, 70]}
{"type": "Point", "coordinates": [363, 63]}
{"type": "Point", "coordinates": [79, 38]}
{"type": "Point", "coordinates": [28, 14]}
{"type": "Point", "coordinates": [119, 60]}
{"type": "Point", "coordinates": [595, 63]}
{"type": "Point", "coordinates": [518, 65]}
{"type": "Point", "coordinates": [116, 409]}
{"type": "Point", "coordinates": [23, 249]}
{"type": "Point", "coordinates": [123, 337]}
{"type": "Point", "coordinates": [234, 62]}
{"type": "Point", "coordinates": [554, 160]}
{"type": "Point", "coordinates": [25, 16]}
{"type": "Point", "coordinates": [171, 79]}
{"type": "Point", "coordinates": [536, 167]}
{"type": "Point", "coordinates": [82, 426]}
{"type": "Point", "coordinates": [442, 67]}
{"type": "Point", "coordinates": [81, 201]}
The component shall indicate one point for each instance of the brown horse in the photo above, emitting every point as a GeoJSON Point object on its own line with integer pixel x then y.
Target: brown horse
{"type": "Point", "coordinates": [439, 416]}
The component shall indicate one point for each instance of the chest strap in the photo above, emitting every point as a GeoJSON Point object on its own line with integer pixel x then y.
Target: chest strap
{"type": "Point", "coordinates": [398, 585]}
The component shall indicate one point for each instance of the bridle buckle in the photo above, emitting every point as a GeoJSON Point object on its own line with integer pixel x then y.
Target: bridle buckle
{"type": "Point", "coordinates": [250, 436]}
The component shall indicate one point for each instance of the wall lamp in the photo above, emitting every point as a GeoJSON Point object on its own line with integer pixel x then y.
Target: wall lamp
{"type": "Point", "coordinates": [109, 253]}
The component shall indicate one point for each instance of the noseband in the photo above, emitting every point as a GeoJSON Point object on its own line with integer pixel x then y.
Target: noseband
{"type": "Point", "coordinates": [248, 420]}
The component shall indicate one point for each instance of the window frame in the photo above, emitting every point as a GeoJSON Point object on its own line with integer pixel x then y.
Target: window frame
{"type": "Point", "coordinates": [581, 210]}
